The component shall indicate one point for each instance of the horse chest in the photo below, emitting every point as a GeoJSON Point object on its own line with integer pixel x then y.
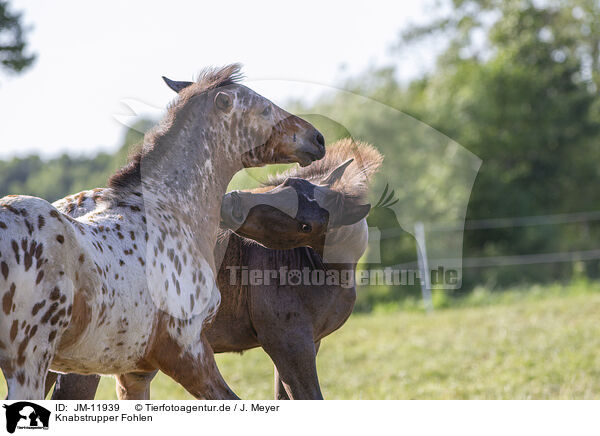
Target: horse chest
{"type": "Point", "coordinates": [333, 311]}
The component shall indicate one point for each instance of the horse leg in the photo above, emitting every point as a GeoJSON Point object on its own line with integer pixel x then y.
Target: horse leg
{"type": "Point", "coordinates": [26, 375]}
{"type": "Point", "coordinates": [30, 330]}
{"type": "Point", "coordinates": [295, 361]}
{"type": "Point", "coordinates": [192, 366]}
{"type": "Point", "coordinates": [76, 387]}
{"type": "Point", "coordinates": [134, 385]}
{"type": "Point", "coordinates": [280, 392]}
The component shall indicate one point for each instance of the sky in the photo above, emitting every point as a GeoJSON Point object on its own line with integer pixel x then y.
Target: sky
{"type": "Point", "coordinates": [95, 58]}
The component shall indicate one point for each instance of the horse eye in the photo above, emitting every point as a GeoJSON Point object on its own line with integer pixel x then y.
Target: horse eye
{"type": "Point", "coordinates": [306, 228]}
{"type": "Point", "coordinates": [266, 112]}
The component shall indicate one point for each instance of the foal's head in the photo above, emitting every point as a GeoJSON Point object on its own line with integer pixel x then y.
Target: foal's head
{"type": "Point", "coordinates": [300, 208]}
{"type": "Point", "coordinates": [268, 133]}
{"type": "Point", "coordinates": [217, 121]}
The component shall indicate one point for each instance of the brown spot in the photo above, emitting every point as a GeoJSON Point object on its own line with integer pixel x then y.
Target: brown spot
{"type": "Point", "coordinates": [37, 307]}
{"type": "Point", "coordinates": [80, 198]}
{"type": "Point", "coordinates": [52, 335]}
{"type": "Point", "coordinates": [4, 268]}
{"type": "Point", "coordinates": [39, 277]}
{"type": "Point", "coordinates": [2, 225]}
{"type": "Point", "coordinates": [41, 222]}
{"type": "Point", "coordinates": [28, 260]}
{"type": "Point", "coordinates": [21, 378]}
{"type": "Point", "coordinates": [12, 209]}
{"type": "Point", "coordinates": [7, 300]}
{"type": "Point", "coordinates": [21, 351]}
{"type": "Point", "coordinates": [15, 248]}
{"type": "Point", "coordinates": [60, 239]}
{"type": "Point", "coordinates": [81, 258]}
{"type": "Point", "coordinates": [13, 330]}
{"type": "Point", "coordinates": [39, 250]}
{"type": "Point", "coordinates": [30, 228]}
{"type": "Point", "coordinates": [58, 316]}
{"type": "Point", "coordinates": [55, 294]}
{"type": "Point", "coordinates": [49, 313]}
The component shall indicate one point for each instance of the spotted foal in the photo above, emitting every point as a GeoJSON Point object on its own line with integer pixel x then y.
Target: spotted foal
{"type": "Point", "coordinates": [127, 287]}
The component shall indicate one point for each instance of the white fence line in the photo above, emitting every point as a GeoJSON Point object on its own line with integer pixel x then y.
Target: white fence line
{"type": "Point", "coordinates": [497, 223]}
{"type": "Point", "coordinates": [491, 261]}
{"type": "Point", "coordinates": [523, 259]}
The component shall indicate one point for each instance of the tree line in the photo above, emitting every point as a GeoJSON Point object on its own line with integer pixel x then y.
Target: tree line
{"type": "Point", "coordinates": [516, 83]}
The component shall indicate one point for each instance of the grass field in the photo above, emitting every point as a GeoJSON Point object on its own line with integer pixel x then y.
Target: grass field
{"type": "Point", "coordinates": [544, 348]}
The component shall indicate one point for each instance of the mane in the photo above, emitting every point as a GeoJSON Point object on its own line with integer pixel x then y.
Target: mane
{"type": "Point", "coordinates": [209, 78]}
{"type": "Point", "coordinates": [354, 182]}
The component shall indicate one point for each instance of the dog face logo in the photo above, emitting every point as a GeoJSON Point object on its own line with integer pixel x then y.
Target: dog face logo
{"type": "Point", "coordinates": [26, 415]}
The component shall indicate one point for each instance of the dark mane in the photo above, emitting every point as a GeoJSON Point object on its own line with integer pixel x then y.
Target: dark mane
{"type": "Point", "coordinates": [210, 78]}
{"type": "Point", "coordinates": [354, 182]}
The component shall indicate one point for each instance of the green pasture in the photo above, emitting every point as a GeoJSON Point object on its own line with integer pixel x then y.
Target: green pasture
{"type": "Point", "coordinates": [524, 345]}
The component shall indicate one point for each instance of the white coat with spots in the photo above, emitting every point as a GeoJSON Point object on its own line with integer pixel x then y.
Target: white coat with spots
{"type": "Point", "coordinates": [126, 286]}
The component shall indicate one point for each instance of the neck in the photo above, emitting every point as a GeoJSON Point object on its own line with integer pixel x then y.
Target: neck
{"type": "Point", "coordinates": [346, 244]}
{"type": "Point", "coordinates": [183, 180]}
{"type": "Point", "coordinates": [185, 177]}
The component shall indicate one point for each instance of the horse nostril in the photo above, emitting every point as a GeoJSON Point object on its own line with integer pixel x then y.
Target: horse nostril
{"type": "Point", "coordinates": [320, 140]}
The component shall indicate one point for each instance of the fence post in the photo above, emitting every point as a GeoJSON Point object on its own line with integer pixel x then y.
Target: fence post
{"type": "Point", "coordinates": [423, 266]}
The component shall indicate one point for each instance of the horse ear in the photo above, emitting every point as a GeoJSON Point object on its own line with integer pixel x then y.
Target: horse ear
{"type": "Point", "coordinates": [337, 173]}
{"type": "Point", "coordinates": [175, 85]}
{"type": "Point", "coordinates": [353, 213]}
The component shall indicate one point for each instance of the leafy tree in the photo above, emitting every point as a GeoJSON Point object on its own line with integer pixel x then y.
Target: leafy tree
{"type": "Point", "coordinates": [55, 178]}
{"type": "Point", "coordinates": [516, 82]}
{"type": "Point", "coordinates": [13, 47]}
{"type": "Point", "coordinates": [525, 100]}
